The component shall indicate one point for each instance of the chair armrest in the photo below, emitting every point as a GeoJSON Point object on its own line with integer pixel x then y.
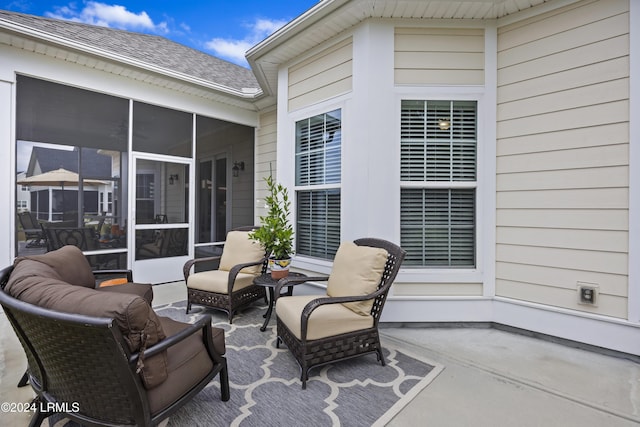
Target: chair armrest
{"type": "Point", "coordinates": [186, 269]}
{"type": "Point", "coordinates": [203, 324]}
{"type": "Point", "coordinates": [294, 280]}
{"type": "Point", "coordinates": [128, 273]}
{"type": "Point", "coordinates": [237, 268]}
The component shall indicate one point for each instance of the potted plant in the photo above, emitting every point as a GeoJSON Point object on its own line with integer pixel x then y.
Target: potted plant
{"type": "Point", "coordinates": [276, 233]}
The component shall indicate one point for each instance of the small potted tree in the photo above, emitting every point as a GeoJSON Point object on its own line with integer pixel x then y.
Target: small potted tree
{"type": "Point", "coordinates": [276, 233]}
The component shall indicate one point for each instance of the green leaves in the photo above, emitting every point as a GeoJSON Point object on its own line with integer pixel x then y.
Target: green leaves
{"type": "Point", "coordinates": [276, 233]}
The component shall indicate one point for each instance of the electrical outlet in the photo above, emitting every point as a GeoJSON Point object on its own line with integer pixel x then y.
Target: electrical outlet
{"type": "Point", "coordinates": [588, 293]}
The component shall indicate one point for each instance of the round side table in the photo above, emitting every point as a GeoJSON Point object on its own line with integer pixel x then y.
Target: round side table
{"type": "Point", "coordinates": [270, 283]}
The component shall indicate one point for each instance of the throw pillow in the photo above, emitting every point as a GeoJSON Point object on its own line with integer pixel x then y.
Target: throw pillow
{"type": "Point", "coordinates": [356, 271]}
{"type": "Point", "coordinates": [239, 249]}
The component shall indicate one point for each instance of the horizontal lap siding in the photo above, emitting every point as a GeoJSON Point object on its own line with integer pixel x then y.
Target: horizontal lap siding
{"type": "Point", "coordinates": [266, 140]}
{"type": "Point", "coordinates": [562, 165]}
{"type": "Point", "coordinates": [323, 76]}
{"type": "Point", "coordinates": [439, 56]}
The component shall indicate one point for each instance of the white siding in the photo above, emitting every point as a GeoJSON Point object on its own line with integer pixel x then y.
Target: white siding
{"type": "Point", "coordinates": [322, 76]}
{"type": "Point", "coordinates": [439, 56]}
{"type": "Point", "coordinates": [242, 186]}
{"type": "Point", "coordinates": [562, 165]}
{"type": "Point", "coordinates": [266, 142]}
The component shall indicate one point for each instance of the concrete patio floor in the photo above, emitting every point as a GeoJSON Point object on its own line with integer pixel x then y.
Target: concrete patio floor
{"type": "Point", "coordinates": [491, 378]}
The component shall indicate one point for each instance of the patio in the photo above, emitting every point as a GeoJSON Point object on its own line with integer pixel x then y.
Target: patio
{"type": "Point", "coordinates": [491, 377]}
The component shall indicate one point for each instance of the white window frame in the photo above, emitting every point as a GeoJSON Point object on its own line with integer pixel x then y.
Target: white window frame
{"type": "Point", "coordinates": [415, 274]}
{"type": "Point", "coordinates": [317, 187]}
{"type": "Point", "coordinates": [452, 184]}
{"type": "Point", "coordinates": [286, 174]}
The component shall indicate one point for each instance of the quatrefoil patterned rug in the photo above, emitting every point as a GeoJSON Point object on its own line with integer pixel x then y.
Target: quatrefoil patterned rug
{"type": "Point", "coordinates": [265, 385]}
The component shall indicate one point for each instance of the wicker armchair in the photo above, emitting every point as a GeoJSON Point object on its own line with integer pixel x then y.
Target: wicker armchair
{"type": "Point", "coordinates": [32, 229]}
{"type": "Point", "coordinates": [230, 286]}
{"type": "Point", "coordinates": [82, 367]}
{"type": "Point", "coordinates": [321, 329]}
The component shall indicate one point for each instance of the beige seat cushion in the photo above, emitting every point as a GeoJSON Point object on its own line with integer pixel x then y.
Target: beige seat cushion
{"type": "Point", "coordinates": [325, 321]}
{"type": "Point", "coordinates": [356, 271]}
{"type": "Point", "coordinates": [217, 281]}
{"type": "Point", "coordinates": [239, 249]}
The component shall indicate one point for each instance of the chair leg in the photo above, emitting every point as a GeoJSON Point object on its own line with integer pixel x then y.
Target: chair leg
{"type": "Point", "coordinates": [188, 307]}
{"type": "Point", "coordinates": [381, 357]}
{"type": "Point", "coordinates": [24, 380]}
{"type": "Point", "coordinates": [38, 416]}
{"type": "Point", "coordinates": [224, 383]}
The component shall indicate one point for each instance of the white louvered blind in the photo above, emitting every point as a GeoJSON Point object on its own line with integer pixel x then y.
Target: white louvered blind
{"type": "Point", "coordinates": [438, 183]}
{"type": "Point", "coordinates": [318, 225]}
{"type": "Point", "coordinates": [318, 176]}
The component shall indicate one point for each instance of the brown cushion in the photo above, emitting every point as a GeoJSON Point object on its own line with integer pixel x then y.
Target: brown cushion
{"type": "Point", "coordinates": [133, 315]}
{"type": "Point", "coordinates": [69, 263]}
{"type": "Point", "coordinates": [356, 271]}
{"type": "Point", "coordinates": [239, 249]}
{"type": "Point", "coordinates": [144, 290]}
{"type": "Point", "coordinates": [187, 364]}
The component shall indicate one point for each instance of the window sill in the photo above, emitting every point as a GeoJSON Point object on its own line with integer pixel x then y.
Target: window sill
{"type": "Point", "coordinates": [316, 265]}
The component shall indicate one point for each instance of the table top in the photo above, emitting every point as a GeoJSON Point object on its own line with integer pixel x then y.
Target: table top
{"type": "Point", "coordinates": [267, 280]}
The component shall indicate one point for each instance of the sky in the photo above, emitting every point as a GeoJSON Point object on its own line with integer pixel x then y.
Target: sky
{"type": "Point", "coordinates": [222, 28]}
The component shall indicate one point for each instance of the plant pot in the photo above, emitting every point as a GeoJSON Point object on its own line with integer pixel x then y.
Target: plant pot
{"type": "Point", "coordinates": [279, 268]}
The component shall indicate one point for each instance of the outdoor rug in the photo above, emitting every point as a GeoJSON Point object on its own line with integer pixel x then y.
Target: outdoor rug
{"type": "Point", "coordinates": [265, 381]}
{"type": "Point", "coordinates": [266, 388]}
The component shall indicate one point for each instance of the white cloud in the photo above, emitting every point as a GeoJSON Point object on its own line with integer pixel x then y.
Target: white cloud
{"type": "Point", "coordinates": [106, 15]}
{"type": "Point", "coordinates": [234, 49]}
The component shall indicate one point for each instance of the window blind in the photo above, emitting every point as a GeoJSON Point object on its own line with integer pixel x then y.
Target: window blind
{"type": "Point", "coordinates": [318, 142]}
{"type": "Point", "coordinates": [438, 145]}
{"type": "Point", "coordinates": [318, 223]}
{"type": "Point", "coordinates": [318, 164]}
{"type": "Point", "coordinates": [429, 153]}
{"type": "Point", "coordinates": [438, 227]}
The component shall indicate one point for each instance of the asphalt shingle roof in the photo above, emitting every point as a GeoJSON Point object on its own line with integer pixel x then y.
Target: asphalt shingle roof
{"type": "Point", "coordinates": [151, 49]}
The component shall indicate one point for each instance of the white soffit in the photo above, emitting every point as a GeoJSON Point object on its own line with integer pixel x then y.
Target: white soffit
{"type": "Point", "coordinates": [331, 17]}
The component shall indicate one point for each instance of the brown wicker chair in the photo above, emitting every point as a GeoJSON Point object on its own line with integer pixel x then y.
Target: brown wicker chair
{"type": "Point", "coordinates": [321, 329]}
{"type": "Point", "coordinates": [230, 286]}
{"type": "Point", "coordinates": [81, 366]}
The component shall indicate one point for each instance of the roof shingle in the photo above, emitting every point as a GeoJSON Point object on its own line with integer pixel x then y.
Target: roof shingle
{"type": "Point", "coordinates": [151, 49]}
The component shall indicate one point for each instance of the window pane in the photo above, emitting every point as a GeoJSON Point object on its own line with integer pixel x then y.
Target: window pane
{"type": "Point", "coordinates": [437, 227]}
{"type": "Point", "coordinates": [318, 162]}
{"type": "Point", "coordinates": [318, 226]}
{"type": "Point", "coordinates": [318, 145]}
{"type": "Point", "coordinates": [438, 141]}
{"type": "Point", "coordinates": [161, 243]}
{"type": "Point", "coordinates": [161, 192]}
